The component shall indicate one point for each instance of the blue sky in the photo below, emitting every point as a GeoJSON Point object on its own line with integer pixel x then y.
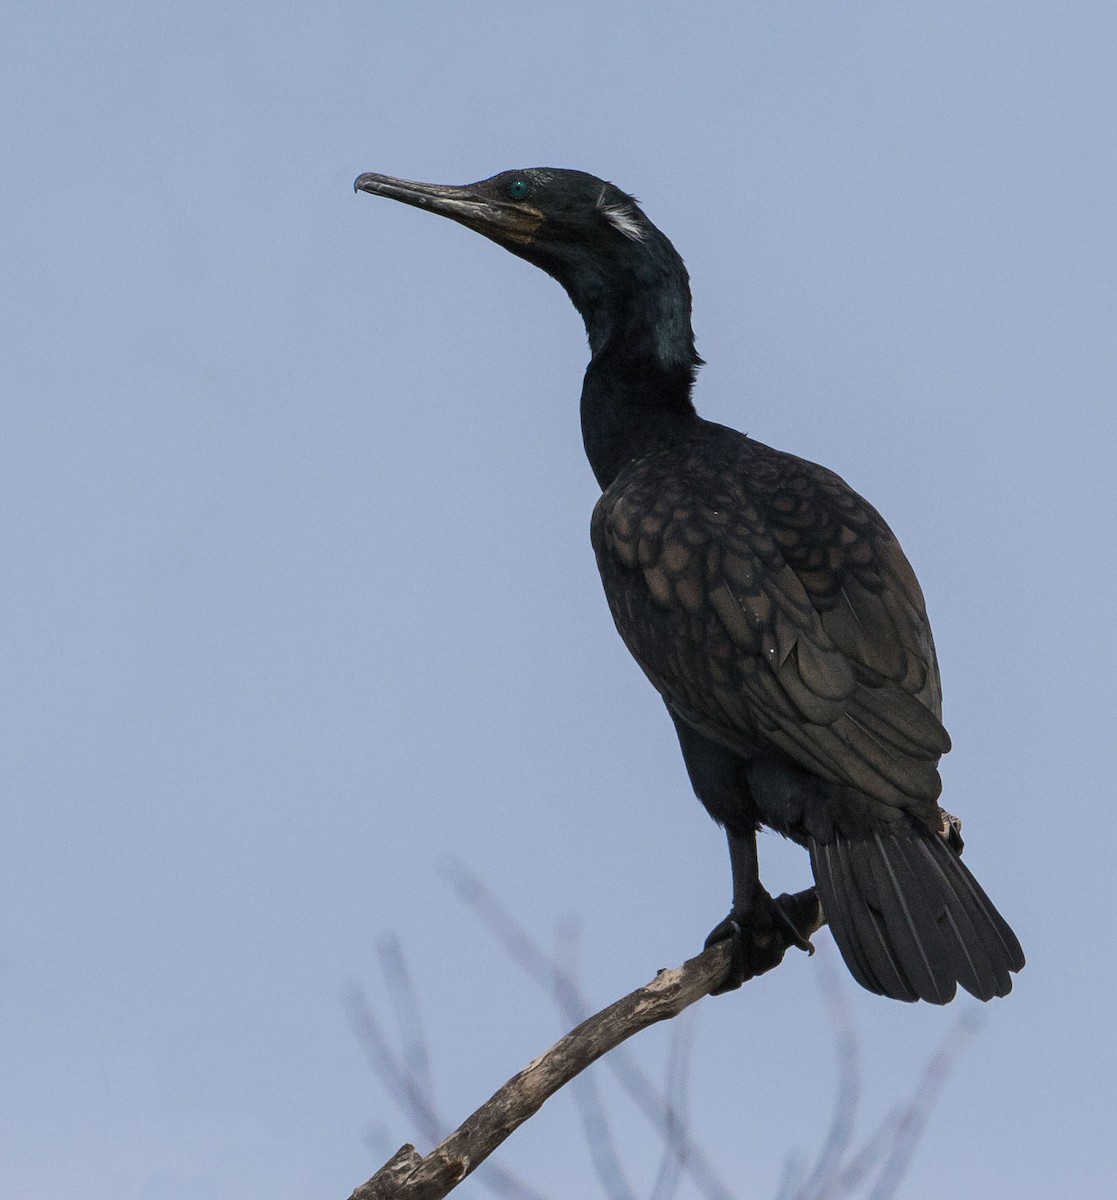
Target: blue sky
{"type": "Point", "coordinates": [299, 600]}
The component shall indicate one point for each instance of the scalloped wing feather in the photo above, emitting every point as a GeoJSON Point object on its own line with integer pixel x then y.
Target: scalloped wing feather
{"type": "Point", "coordinates": [770, 605]}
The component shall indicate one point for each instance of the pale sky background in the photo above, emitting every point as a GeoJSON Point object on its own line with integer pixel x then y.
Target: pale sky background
{"type": "Point", "coordinates": [299, 600]}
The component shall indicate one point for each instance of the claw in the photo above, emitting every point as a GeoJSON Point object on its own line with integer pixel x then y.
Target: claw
{"type": "Point", "coordinates": [782, 904]}
{"type": "Point", "coordinates": [760, 936]}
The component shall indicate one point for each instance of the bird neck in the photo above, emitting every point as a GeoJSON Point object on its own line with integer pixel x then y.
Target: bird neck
{"type": "Point", "coordinates": [629, 410]}
{"type": "Point", "coordinates": [636, 395]}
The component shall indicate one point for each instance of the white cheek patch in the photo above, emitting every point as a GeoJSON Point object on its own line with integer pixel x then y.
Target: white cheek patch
{"type": "Point", "coordinates": [623, 219]}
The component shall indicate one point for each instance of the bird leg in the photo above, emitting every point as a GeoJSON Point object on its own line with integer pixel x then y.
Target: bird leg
{"type": "Point", "coordinates": [761, 929]}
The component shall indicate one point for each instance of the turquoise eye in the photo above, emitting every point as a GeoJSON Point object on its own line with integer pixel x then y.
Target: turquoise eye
{"type": "Point", "coordinates": [517, 189]}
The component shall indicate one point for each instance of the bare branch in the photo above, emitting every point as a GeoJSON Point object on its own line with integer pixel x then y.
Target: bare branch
{"type": "Point", "coordinates": [595, 1122]}
{"type": "Point", "coordinates": [657, 1108]}
{"type": "Point", "coordinates": [411, 1176]}
{"type": "Point", "coordinates": [409, 1091]}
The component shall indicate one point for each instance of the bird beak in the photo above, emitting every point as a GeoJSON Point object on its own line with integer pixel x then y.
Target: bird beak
{"type": "Point", "coordinates": [497, 218]}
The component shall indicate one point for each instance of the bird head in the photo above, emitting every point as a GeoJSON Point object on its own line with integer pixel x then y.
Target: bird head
{"type": "Point", "coordinates": [621, 272]}
{"type": "Point", "coordinates": [569, 223]}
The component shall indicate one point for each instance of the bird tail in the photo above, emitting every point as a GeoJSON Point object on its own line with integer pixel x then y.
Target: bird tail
{"type": "Point", "coordinates": [910, 920]}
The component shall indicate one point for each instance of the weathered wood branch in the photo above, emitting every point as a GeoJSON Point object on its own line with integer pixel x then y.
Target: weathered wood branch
{"type": "Point", "coordinates": [408, 1175]}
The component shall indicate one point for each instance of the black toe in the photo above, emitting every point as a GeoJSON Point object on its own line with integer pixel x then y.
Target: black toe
{"type": "Point", "coordinates": [761, 935]}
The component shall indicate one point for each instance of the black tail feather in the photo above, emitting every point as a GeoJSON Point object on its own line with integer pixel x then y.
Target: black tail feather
{"type": "Point", "coordinates": [910, 920]}
{"type": "Point", "coordinates": [832, 882]}
{"type": "Point", "coordinates": [911, 917]}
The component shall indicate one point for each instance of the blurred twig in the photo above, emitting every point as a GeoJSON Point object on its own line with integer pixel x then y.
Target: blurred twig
{"type": "Point", "coordinates": [676, 1137]}
{"type": "Point", "coordinates": [405, 1001]}
{"type": "Point", "coordinates": [846, 1096]}
{"type": "Point", "coordinates": [887, 1152]}
{"type": "Point", "coordinates": [912, 1118]}
{"type": "Point", "coordinates": [407, 1077]}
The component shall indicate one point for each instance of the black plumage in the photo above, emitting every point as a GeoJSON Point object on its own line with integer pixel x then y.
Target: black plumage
{"type": "Point", "coordinates": [768, 603]}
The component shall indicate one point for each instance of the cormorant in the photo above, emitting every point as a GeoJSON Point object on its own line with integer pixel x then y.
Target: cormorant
{"type": "Point", "coordinates": [767, 602]}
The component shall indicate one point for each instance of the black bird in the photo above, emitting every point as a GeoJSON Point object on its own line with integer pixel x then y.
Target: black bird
{"type": "Point", "coordinates": [768, 603]}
